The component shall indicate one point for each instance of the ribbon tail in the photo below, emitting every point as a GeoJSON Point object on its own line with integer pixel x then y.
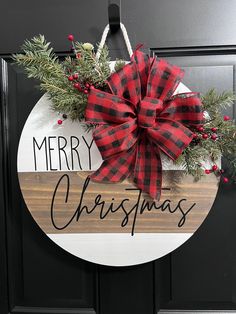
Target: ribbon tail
{"type": "Point", "coordinates": [147, 173]}
{"type": "Point", "coordinates": [116, 169]}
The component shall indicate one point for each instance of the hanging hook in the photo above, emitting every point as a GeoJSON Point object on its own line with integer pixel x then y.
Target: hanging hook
{"type": "Point", "coordinates": [114, 15]}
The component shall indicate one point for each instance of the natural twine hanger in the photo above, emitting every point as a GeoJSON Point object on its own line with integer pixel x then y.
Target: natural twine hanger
{"type": "Point", "coordinates": [104, 37]}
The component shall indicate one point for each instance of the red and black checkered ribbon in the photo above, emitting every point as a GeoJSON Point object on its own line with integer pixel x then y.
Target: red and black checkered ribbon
{"type": "Point", "coordinates": [140, 118]}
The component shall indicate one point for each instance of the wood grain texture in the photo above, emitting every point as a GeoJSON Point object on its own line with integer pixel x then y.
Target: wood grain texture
{"type": "Point", "coordinates": [37, 189]}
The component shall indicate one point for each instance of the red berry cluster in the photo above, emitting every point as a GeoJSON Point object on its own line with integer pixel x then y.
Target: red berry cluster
{"type": "Point", "coordinates": [82, 87]}
{"type": "Point", "coordinates": [206, 133]}
{"type": "Point", "coordinates": [218, 172]}
{"type": "Point", "coordinates": [64, 117]}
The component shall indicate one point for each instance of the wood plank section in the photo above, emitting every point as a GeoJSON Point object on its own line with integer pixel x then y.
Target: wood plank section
{"type": "Point", "coordinates": [116, 205]}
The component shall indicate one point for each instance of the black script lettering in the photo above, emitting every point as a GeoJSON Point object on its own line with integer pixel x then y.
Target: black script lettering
{"type": "Point", "coordinates": [81, 208]}
{"type": "Point", "coordinates": [166, 205]}
{"type": "Point", "coordinates": [105, 208]}
{"type": "Point", "coordinates": [183, 219]}
{"type": "Point", "coordinates": [65, 176]}
{"type": "Point", "coordinates": [153, 205]}
{"type": "Point", "coordinates": [113, 210]}
{"type": "Point", "coordinates": [135, 209]}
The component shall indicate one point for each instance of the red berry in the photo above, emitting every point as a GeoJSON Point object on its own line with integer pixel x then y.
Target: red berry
{"type": "Point", "coordinates": [77, 85]}
{"type": "Point", "coordinates": [75, 76]}
{"type": "Point", "coordinates": [214, 167]}
{"type": "Point", "coordinates": [70, 78]}
{"type": "Point", "coordinates": [78, 55]}
{"type": "Point", "coordinates": [86, 91]}
{"type": "Point", "coordinates": [201, 129]}
{"type": "Point", "coordinates": [92, 87]}
{"type": "Point", "coordinates": [213, 137]}
{"type": "Point", "coordinates": [214, 129]}
{"type": "Point", "coordinates": [204, 136]}
{"type": "Point", "coordinates": [59, 122]}
{"type": "Point", "coordinates": [225, 180]}
{"type": "Point", "coordinates": [195, 135]}
{"type": "Point", "coordinates": [70, 37]}
{"type": "Point", "coordinates": [87, 85]}
{"type": "Point", "coordinates": [226, 118]}
{"type": "Point", "coordinates": [207, 171]}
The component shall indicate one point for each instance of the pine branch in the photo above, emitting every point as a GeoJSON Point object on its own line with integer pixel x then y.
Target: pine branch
{"type": "Point", "coordinates": [92, 70]}
{"type": "Point", "coordinates": [214, 102]}
{"type": "Point", "coordinates": [40, 62]}
{"type": "Point", "coordinates": [119, 64]}
{"type": "Point", "coordinates": [221, 142]}
{"type": "Point", "coordinates": [88, 127]}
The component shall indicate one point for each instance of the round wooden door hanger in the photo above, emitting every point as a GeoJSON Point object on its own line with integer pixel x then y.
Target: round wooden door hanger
{"type": "Point", "coordinates": [110, 224]}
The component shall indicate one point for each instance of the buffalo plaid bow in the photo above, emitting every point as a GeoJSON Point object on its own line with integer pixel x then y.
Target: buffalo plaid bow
{"type": "Point", "coordinates": [139, 119]}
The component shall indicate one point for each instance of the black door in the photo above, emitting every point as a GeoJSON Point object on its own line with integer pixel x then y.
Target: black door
{"type": "Point", "coordinates": [36, 276]}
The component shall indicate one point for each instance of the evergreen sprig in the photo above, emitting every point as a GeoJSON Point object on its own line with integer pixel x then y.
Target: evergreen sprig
{"type": "Point", "coordinates": [215, 102]}
{"type": "Point", "coordinates": [221, 142]}
{"type": "Point", "coordinates": [40, 62]}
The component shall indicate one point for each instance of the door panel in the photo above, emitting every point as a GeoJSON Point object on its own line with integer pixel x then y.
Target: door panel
{"type": "Point", "coordinates": [128, 289]}
{"type": "Point", "coordinates": [201, 272]}
{"type": "Point", "coordinates": [3, 246]}
{"type": "Point", "coordinates": [155, 23]}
